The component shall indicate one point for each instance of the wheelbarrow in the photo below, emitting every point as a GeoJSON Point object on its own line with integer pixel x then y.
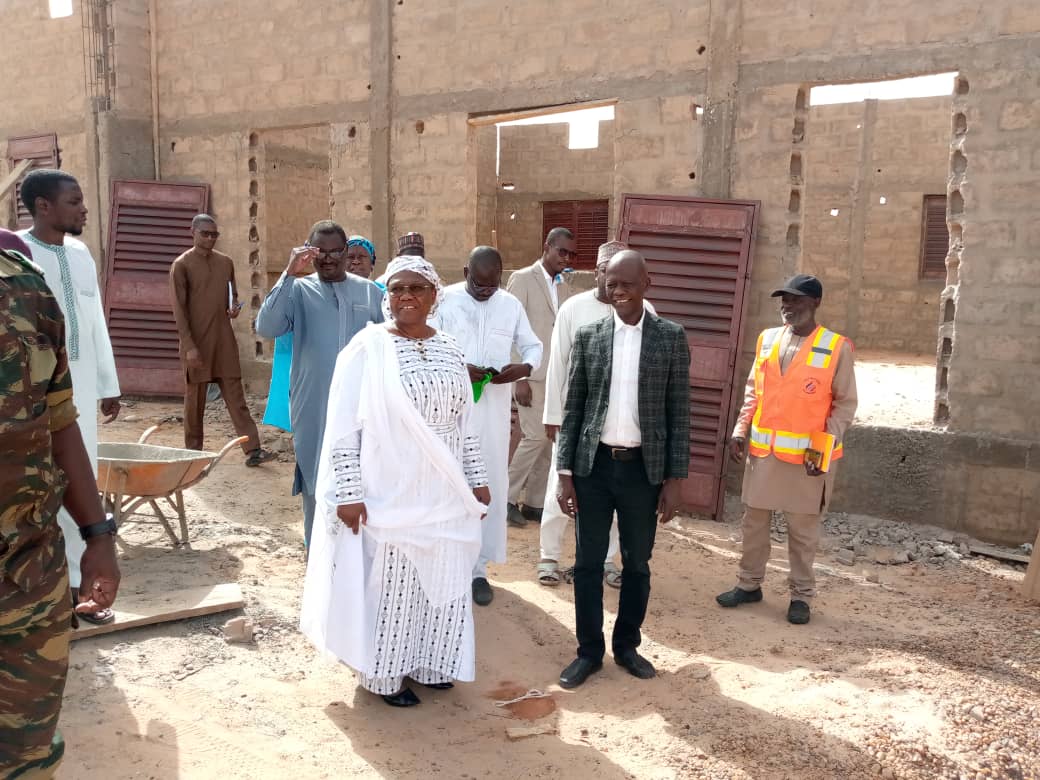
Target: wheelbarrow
{"type": "Point", "coordinates": [132, 475]}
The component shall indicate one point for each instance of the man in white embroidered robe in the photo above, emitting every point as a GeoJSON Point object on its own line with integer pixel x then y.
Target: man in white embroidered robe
{"type": "Point", "coordinates": [55, 200]}
{"type": "Point", "coordinates": [488, 323]}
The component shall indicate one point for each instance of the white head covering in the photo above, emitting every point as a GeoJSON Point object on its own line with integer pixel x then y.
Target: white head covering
{"type": "Point", "coordinates": [415, 264]}
{"type": "Point", "coordinates": [608, 250]}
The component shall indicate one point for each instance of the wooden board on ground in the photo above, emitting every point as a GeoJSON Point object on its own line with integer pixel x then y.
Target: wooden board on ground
{"type": "Point", "coordinates": [1031, 584]}
{"type": "Point", "coordinates": [980, 548]}
{"type": "Point", "coordinates": [134, 610]}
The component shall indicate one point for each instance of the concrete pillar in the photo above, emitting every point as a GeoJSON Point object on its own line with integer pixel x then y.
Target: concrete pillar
{"type": "Point", "coordinates": [380, 112]}
{"type": "Point", "coordinates": [720, 114]}
{"type": "Point", "coordinates": [861, 192]}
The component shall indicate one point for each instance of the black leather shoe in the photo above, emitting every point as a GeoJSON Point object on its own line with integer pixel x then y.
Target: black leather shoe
{"type": "Point", "coordinates": [798, 613]}
{"type": "Point", "coordinates": [403, 698]}
{"type": "Point", "coordinates": [515, 517]}
{"type": "Point", "coordinates": [532, 513]}
{"type": "Point", "coordinates": [482, 593]}
{"type": "Point", "coordinates": [579, 670]}
{"type": "Point", "coordinates": [736, 597]}
{"type": "Point", "coordinates": [441, 686]}
{"type": "Point", "coordinates": [637, 666]}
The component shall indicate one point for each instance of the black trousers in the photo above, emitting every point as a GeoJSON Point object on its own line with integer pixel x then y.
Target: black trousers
{"type": "Point", "coordinates": [622, 487]}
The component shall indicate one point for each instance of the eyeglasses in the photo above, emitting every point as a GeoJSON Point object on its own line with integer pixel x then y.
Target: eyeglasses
{"type": "Point", "coordinates": [411, 289]}
{"type": "Point", "coordinates": [335, 254]}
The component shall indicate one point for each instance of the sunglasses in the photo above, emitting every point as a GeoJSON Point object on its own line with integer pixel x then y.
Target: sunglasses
{"type": "Point", "coordinates": [566, 253]}
{"type": "Point", "coordinates": [209, 233]}
{"type": "Point", "coordinates": [335, 254]}
{"type": "Point", "coordinates": [415, 290]}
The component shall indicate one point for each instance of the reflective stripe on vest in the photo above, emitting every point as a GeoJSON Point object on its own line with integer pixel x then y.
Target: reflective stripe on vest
{"type": "Point", "coordinates": [822, 349]}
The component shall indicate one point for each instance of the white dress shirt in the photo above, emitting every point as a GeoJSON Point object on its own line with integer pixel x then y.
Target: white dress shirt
{"type": "Point", "coordinates": [552, 288]}
{"type": "Point", "coordinates": [621, 424]}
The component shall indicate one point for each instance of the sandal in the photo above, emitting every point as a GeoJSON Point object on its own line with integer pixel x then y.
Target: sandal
{"type": "Point", "coordinates": [568, 574]}
{"type": "Point", "coordinates": [100, 618]}
{"type": "Point", "coordinates": [403, 698]}
{"type": "Point", "coordinates": [612, 575]}
{"type": "Point", "coordinates": [549, 573]}
{"type": "Point", "coordinates": [258, 456]}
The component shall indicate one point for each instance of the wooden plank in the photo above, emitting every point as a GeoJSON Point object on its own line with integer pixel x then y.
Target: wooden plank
{"type": "Point", "coordinates": [1031, 584]}
{"type": "Point", "coordinates": [980, 548]}
{"type": "Point", "coordinates": [12, 178]}
{"type": "Point", "coordinates": [136, 610]}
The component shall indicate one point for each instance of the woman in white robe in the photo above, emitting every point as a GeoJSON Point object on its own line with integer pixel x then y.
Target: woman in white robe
{"type": "Point", "coordinates": [402, 490]}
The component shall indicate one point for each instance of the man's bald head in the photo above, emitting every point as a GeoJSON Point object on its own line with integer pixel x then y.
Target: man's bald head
{"type": "Point", "coordinates": [484, 255]}
{"type": "Point", "coordinates": [627, 280]}
{"type": "Point", "coordinates": [628, 257]}
{"type": "Point", "coordinates": [483, 272]}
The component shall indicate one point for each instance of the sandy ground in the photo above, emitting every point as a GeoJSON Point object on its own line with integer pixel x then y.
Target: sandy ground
{"type": "Point", "coordinates": [895, 390]}
{"type": "Point", "coordinates": [929, 672]}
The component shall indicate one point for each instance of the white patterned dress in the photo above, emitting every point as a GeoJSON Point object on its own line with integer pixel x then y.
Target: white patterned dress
{"type": "Point", "coordinates": [413, 637]}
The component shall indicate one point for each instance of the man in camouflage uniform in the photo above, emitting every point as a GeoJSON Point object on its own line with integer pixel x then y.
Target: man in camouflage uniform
{"type": "Point", "coordinates": [43, 464]}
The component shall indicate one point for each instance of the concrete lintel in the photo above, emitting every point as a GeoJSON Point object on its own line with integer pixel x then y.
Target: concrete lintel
{"type": "Point", "coordinates": [265, 119]}
{"type": "Point", "coordinates": [892, 63]}
{"type": "Point", "coordinates": [485, 101]}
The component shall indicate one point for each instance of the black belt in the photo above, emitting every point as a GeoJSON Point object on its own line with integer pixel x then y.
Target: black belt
{"type": "Point", "coordinates": [621, 453]}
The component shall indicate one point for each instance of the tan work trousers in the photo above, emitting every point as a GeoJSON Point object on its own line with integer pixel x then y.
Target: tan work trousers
{"type": "Point", "coordinates": [803, 535]}
{"type": "Point", "coordinates": [235, 401]}
{"type": "Point", "coordinates": [529, 468]}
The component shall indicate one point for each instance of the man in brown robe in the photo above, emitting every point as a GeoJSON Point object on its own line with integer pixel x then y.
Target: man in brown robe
{"type": "Point", "coordinates": [205, 300]}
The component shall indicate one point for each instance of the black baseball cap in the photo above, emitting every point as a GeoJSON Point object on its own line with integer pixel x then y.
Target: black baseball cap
{"type": "Point", "coordinates": [800, 284]}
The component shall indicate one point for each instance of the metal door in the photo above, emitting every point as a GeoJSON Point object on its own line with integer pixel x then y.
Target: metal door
{"type": "Point", "coordinates": [699, 254]}
{"type": "Point", "coordinates": [149, 227]}
{"type": "Point", "coordinates": [43, 151]}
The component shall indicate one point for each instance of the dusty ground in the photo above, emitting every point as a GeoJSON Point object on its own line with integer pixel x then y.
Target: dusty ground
{"type": "Point", "coordinates": [930, 672]}
{"type": "Point", "coordinates": [895, 389]}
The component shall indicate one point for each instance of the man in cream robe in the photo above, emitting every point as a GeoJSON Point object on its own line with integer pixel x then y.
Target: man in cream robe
{"type": "Point", "coordinates": [55, 200]}
{"type": "Point", "coordinates": [489, 323]}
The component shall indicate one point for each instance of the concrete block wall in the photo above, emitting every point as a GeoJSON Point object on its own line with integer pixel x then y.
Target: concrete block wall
{"type": "Point", "coordinates": [993, 277]}
{"type": "Point", "coordinates": [490, 50]}
{"type": "Point", "coordinates": [537, 160]}
{"type": "Point", "coordinates": [657, 149]}
{"type": "Point", "coordinates": [868, 255]}
{"type": "Point", "coordinates": [232, 58]}
{"type": "Point", "coordinates": [430, 180]}
{"type": "Point", "coordinates": [350, 182]}
{"type": "Point", "coordinates": [295, 188]}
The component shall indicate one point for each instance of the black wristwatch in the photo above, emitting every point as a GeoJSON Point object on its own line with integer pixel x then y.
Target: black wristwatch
{"type": "Point", "coordinates": [106, 526]}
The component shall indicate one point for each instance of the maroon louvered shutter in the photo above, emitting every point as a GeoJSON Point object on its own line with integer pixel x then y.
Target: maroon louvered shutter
{"type": "Point", "coordinates": [935, 238]}
{"type": "Point", "coordinates": [43, 151]}
{"type": "Point", "coordinates": [586, 219]}
{"type": "Point", "coordinates": [699, 254]}
{"type": "Point", "coordinates": [150, 225]}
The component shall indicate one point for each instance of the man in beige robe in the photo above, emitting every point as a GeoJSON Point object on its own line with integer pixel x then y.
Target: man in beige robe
{"type": "Point", "coordinates": [800, 491]}
{"type": "Point", "coordinates": [205, 300]}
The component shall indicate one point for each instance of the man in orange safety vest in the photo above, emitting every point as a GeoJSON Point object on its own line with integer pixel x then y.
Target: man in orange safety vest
{"type": "Point", "coordinates": [802, 383]}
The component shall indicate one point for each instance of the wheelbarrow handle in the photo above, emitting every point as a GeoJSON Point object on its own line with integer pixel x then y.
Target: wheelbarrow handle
{"type": "Point", "coordinates": [149, 432]}
{"type": "Point", "coordinates": [225, 449]}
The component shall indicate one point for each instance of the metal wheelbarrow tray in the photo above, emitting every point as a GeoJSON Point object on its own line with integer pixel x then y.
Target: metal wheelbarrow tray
{"type": "Point", "coordinates": [130, 475]}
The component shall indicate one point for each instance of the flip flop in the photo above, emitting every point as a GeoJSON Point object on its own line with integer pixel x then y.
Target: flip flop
{"type": "Point", "coordinates": [549, 574]}
{"type": "Point", "coordinates": [100, 618]}
{"type": "Point", "coordinates": [612, 575]}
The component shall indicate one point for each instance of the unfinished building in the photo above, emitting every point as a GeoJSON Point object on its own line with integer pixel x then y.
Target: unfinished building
{"type": "Point", "coordinates": [393, 115]}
